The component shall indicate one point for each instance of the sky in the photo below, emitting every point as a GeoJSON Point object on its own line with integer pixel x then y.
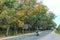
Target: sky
{"type": "Point", "coordinates": [54, 6]}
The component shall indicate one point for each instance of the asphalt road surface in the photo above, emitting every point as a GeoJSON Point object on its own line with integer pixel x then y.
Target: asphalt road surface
{"type": "Point", "coordinates": [45, 35]}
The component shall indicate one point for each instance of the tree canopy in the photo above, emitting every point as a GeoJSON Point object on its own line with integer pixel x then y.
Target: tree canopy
{"type": "Point", "coordinates": [26, 12]}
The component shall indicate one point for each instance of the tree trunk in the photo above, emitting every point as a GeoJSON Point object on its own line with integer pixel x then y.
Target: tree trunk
{"type": "Point", "coordinates": [7, 32]}
{"type": "Point", "coordinates": [16, 29]}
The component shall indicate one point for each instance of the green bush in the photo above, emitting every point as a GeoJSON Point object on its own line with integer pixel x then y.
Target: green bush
{"type": "Point", "coordinates": [58, 30]}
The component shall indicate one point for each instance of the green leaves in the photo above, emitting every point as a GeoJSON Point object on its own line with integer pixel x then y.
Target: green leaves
{"type": "Point", "coordinates": [27, 12]}
{"type": "Point", "coordinates": [14, 15]}
{"type": "Point", "coordinates": [10, 3]}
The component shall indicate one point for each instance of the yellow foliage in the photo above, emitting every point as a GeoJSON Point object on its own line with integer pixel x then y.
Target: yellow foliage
{"type": "Point", "coordinates": [35, 10]}
{"type": "Point", "coordinates": [12, 19]}
{"type": "Point", "coordinates": [30, 12]}
{"type": "Point", "coordinates": [21, 13]}
{"type": "Point", "coordinates": [0, 20]}
{"type": "Point", "coordinates": [4, 12]}
{"type": "Point", "coordinates": [21, 23]}
{"type": "Point", "coordinates": [1, 2]}
{"type": "Point", "coordinates": [4, 26]}
{"type": "Point", "coordinates": [26, 16]}
{"type": "Point", "coordinates": [39, 8]}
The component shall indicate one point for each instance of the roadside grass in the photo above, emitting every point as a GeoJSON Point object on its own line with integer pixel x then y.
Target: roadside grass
{"type": "Point", "coordinates": [11, 33]}
{"type": "Point", "coordinates": [2, 33]}
{"type": "Point", "coordinates": [57, 31]}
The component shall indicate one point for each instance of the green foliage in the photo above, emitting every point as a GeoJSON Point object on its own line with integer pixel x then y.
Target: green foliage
{"type": "Point", "coordinates": [14, 15]}
{"type": "Point", "coordinates": [58, 29]}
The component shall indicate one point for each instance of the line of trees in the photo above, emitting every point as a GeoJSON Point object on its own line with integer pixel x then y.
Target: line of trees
{"type": "Point", "coordinates": [14, 14]}
{"type": "Point", "coordinates": [57, 29]}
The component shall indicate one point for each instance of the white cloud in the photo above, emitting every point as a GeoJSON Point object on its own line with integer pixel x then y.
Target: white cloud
{"type": "Point", "coordinates": [53, 5]}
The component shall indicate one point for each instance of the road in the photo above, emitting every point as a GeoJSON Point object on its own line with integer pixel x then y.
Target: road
{"type": "Point", "coordinates": [45, 35]}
